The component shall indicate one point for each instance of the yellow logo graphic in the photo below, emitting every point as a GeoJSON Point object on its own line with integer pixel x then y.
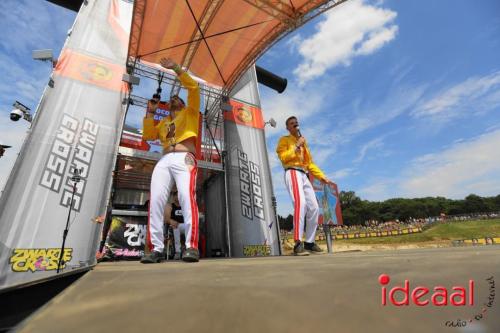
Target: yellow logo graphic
{"type": "Point", "coordinates": [96, 72]}
{"type": "Point", "coordinates": [257, 250]}
{"type": "Point", "coordinates": [244, 114]}
{"type": "Point", "coordinates": [36, 260]}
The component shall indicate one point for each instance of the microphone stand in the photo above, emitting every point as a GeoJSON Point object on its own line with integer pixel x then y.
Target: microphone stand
{"type": "Point", "coordinates": [76, 179]}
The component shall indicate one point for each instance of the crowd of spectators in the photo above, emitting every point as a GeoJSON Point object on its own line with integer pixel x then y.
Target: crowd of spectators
{"type": "Point", "coordinates": [376, 226]}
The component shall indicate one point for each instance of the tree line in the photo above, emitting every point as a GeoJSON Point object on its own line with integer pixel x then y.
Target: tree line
{"type": "Point", "coordinates": [356, 210]}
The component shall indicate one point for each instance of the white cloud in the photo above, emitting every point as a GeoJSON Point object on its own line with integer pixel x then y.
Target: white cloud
{"type": "Point", "coordinates": [342, 173]}
{"type": "Point", "coordinates": [300, 102]}
{"type": "Point", "coordinates": [468, 166]}
{"type": "Point", "coordinates": [378, 190]}
{"type": "Point", "coordinates": [352, 29]}
{"type": "Point", "coordinates": [377, 39]}
{"type": "Point", "coordinates": [361, 117]}
{"type": "Point", "coordinates": [471, 166]}
{"type": "Point", "coordinates": [475, 95]}
{"type": "Point", "coordinates": [376, 143]}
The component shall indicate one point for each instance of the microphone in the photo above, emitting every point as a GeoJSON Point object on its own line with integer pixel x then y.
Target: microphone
{"type": "Point", "coordinates": [298, 130]}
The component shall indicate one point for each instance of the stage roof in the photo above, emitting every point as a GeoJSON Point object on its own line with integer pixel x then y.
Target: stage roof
{"type": "Point", "coordinates": [216, 40]}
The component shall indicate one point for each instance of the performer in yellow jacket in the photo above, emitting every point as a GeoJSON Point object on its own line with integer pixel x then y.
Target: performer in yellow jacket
{"type": "Point", "coordinates": [297, 160]}
{"type": "Point", "coordinates": [178, 133]}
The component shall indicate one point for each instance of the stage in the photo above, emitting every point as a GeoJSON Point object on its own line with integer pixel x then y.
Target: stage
{"type": "Point", "coordinates": [321, 293]}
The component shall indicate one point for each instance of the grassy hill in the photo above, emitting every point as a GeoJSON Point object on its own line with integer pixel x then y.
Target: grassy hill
{"type": "Point", "coordinates": [439, 232]}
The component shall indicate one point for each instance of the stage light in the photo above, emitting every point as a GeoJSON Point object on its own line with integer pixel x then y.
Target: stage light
{"type": "Point", "coordinates": [43, 55]}
{"type": "Point", "coordinates": [129, 78]}
{"type": "Point", "coordinates": [271, 122]}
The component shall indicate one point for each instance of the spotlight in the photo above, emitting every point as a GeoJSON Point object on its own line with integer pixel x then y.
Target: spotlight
{"type": "Point", "coordinates": [129, 78]}
{"type": "Point", "coordinates": [43, 55]}
{"type": "Point", "coordinates": [271, 122]}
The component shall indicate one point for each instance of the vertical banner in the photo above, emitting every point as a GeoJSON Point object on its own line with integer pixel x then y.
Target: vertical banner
{"type": "Point", "coordinates": [77, 126]}
{"type": "Point", "coordinates": [253, 227]}
{"type": "Point", "coordinates": [329, 203]}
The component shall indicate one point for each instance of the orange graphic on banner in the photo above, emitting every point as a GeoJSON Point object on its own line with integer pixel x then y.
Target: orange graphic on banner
{"type": "Point", "coordinates": [91, 70]}
{"type": "Point", "coordinates": [245, 114]}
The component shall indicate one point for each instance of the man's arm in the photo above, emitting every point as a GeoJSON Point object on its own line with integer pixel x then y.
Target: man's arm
{"type": "Point", "coordinates": [316, 172]}
{"type": "Point", "coordinates": [149, 130]}
{"type": "Point", "coordinates": [193, 100]}
{"type": "Point", "coordinates": [285, 153]}
{"type": "Point", "coordinates": [167, 214]}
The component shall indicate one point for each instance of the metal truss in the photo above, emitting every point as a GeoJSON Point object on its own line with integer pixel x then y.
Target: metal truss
{"type": "Point", "coordinates": [275, 8]}
{"type": "Point", "coordinates": [135, 33]}
{"type": "Point", "coordinates": [211, 135]}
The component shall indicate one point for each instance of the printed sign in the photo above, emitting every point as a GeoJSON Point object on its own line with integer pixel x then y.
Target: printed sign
{"type": "Point", "coordinates": [126, 237]}
{"type": "Point", "coordinates": [329, 203]}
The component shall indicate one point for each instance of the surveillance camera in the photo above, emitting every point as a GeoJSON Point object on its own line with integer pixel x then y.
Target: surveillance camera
{"type": "Point", "coordinates": [16, 114]}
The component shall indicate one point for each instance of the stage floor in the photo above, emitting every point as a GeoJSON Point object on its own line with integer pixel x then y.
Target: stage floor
{"type": "Point", "coordinates": [321, 293]}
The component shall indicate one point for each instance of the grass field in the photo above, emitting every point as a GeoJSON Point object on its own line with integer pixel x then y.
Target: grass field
{"type": "Point", "coordinates": [440, 232]}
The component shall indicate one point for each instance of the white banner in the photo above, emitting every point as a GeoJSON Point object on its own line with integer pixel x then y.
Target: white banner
{"type": "Point", "coordinates": [77, 126]}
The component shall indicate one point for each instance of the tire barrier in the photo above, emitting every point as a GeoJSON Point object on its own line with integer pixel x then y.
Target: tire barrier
{"type": "Point", "coordinates": [367, 234]}
{"type": "Point", "coordinates": [476, 241]}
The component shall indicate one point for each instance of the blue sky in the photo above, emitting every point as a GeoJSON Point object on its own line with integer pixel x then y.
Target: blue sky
{"type": "Point", "coordinates": [396, 98]}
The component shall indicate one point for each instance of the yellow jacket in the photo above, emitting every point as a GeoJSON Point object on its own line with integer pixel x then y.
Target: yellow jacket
{"type": "Point", "coordinates": [290, 158]}
{"type": "Point", "coordinates": [185, 124]}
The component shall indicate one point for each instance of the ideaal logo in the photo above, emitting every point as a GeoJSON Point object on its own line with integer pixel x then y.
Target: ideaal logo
{"type": "Point", "coordinates": [457, 296]}
{"type": "Point", "coordinates": [36, 260]}
{"type": "Point", "coordinates": [73, 143]}
{"type": "Point", "coordinates": [439, 296]}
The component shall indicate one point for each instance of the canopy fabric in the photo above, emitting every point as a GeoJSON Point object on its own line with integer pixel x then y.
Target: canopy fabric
{"type": "Point", "coordinates": [217, 40]}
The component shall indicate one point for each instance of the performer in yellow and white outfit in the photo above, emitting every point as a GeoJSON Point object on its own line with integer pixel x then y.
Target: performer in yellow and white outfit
{"type": "Point", "coordinates": [297, 160]}
{"type": "Point", "coordinates": [178, 133]}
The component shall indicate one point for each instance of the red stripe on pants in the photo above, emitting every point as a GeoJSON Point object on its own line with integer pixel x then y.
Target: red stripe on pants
{"type": "Point", "coordinates": [296, 199]}
{"type": "Point", "coordinates": [194, 208]}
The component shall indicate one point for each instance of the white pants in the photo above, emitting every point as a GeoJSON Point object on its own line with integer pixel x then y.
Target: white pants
{"type": "Point", "coordinates": [180, 168]}
{"type": "Point", "coordinates": [304, 204]}
{"type": "Point", "coordinates": [181, 229]}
